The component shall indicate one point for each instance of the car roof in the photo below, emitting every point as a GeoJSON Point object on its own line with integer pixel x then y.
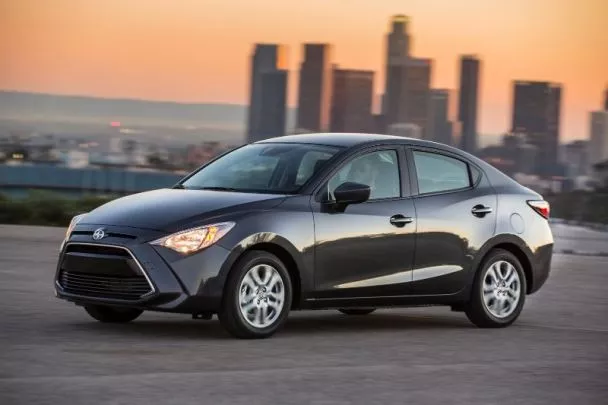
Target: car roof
{"type": "Point", "coordinates": [336, 139]}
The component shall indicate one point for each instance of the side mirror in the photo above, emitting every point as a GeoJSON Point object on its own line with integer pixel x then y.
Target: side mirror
{"type": "Point", "coordinates": [351, 193]}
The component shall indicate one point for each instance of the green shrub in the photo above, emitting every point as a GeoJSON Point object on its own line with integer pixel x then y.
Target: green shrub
{"type": "Point", "coordinates": [580, 206]}
{"type": "Point", "coordinates": [45, 208]}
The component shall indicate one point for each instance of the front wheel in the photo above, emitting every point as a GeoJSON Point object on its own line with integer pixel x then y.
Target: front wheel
{"type": "Point", "coordinates": [257, 296]}
{"type": "Point", "coordinates": [357, 311]}
{"type": "Point", "coordinates": [499, 291]}
{"type": "Point", "coordinates": [108, 314]}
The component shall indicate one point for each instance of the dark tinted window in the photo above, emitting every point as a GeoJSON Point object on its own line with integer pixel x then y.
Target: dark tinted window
{"type": "Point", "coordinates": [379, 170]}
{"type": "Point", "coordinates": [437, 173]}
{"type": "Point", "coordinates": [270, 168]}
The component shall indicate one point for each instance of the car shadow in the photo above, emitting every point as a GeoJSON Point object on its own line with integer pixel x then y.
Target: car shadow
{"type": "Point", "coordinates": [331, 322]}
{"type": "Point", "coordinates": [298, 324]}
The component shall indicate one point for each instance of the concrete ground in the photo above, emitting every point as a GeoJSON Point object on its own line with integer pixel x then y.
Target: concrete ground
{"type": "Point", "coordinates": [51, 352]}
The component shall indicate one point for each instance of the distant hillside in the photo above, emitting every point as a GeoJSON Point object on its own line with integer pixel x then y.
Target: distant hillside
{"type": "Point", "coordinates": [25, 106]}
{"type": "Point", "coordinates": [219, 120]}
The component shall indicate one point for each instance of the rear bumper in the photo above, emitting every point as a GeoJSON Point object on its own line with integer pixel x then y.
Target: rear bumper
{"type": "Point", "coordinates": [541, 265]}
{"type": "Point", "coordinates": [183, 284]}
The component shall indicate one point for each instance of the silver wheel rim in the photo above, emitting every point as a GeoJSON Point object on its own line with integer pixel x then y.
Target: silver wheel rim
{"type": "Point", "coordinates": [261, 296]}
{"type": "Point", "coordinates": [501, 289]}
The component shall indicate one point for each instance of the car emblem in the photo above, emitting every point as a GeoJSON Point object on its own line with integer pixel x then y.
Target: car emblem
{"type": "Point", "coordinates": [99, 234]}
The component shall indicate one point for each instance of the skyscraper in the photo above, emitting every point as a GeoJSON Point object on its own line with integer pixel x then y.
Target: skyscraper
{"type": "Point", "coordinates": [536, 113]}
{"type": "Point", "coordinates": [416, 94]}
{"type": "Point", "coordinates": [268, 92]}
{"type": "Point", "coordinates": [606, 99]}
{"type": "Point", "coordinates": [411, 94]}
{"type": "Point", "coordinates": [351, 103]}
{"type": "Point", "coordinates": [314, 88]}
{"type": "Point", "coordinates": [467, 101]}
{"type": "Point", "coordinates": [440, 126]}
{"type": "Point", "coordinates": [598, 149]}
{"type": "Point", "coordinates": [397, 53]}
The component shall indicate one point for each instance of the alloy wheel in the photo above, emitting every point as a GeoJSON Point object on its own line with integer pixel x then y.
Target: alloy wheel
{"type": "Point", "coordinates": [501, 288]}
{"type": "Point", "coordinates": [261, 296]}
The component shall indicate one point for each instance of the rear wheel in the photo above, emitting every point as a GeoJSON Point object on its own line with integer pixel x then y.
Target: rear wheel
{"type": "Point", "coordinates": [499, 291]}
{"type": "Point", "coordinates": [357, 311]}
{"type": "Point", "coordinates": [257, 296]}
{"type": "Point", "coordinates": [107, 314]}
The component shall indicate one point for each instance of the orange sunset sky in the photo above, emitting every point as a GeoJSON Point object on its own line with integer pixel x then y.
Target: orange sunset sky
{"type": "Point", "coordinates": [199, 50]}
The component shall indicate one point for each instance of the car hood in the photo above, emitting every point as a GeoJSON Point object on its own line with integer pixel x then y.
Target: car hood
{"type": "Point", "coordinates": [173, 209]}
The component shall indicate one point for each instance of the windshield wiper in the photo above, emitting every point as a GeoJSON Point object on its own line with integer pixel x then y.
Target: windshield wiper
{"type": "Point", "coordinates": [217, 188]}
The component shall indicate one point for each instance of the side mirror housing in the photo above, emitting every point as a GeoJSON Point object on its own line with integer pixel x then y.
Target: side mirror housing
{"type": "Point", "coordinates": [351, 193]}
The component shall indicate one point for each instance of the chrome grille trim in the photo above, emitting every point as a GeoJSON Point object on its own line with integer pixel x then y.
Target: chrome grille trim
{"type": "Point", "coordinates": [143, 271]}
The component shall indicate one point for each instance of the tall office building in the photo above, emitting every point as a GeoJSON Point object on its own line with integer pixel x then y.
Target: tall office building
{"type": "Point", "coordinates": [397, 53]}
{"type": "Point", "coordinates": [440, 126]}
{"type": "Point", "coordinates": [416, 97]}
{"type": "Point", "coordinates": [314, 89]}
{"type": "Point", "coordinates": [411, 94]}
{"type": "Point", "coordinates": [598, 145]}
{"type": "Point", "coordinates": [606, 99]}
{"type": "Point", "coordinates": [268, 92]}
{"type": "Point", "coordinates": [468, 99]}
{"type": "Point", "coordinates": [351, 103]}
{"type": "Point", "coordinates": [536, 113]}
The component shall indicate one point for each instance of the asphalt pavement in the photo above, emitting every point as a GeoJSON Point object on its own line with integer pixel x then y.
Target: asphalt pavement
{"type": "Point", "coordinates": [51, 352]}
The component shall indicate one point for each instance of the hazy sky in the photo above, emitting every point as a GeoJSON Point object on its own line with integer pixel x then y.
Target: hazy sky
{"type": "Point", "coordinates": [199, 50]}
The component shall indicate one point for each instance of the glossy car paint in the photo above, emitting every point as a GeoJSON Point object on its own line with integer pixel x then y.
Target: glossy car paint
{"type": "Point", "coordinates": [335, 259]}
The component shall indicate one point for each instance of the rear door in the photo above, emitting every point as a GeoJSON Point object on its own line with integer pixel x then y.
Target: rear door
{"type": "Point", "coordinates": [456, 213]}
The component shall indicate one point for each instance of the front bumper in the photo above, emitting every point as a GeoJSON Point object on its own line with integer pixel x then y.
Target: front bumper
{"type": "Point", "coordinates": [123, 269]}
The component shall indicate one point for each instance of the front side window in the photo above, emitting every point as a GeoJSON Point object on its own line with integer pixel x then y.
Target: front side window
{"type": "Point", "coordinates": [378, 170]}
{"type": "Point", "coordinates": [439, 173]}
{"type": "Point", "coordinates": [263, 168]}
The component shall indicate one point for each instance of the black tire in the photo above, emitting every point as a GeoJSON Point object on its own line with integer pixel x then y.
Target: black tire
{"type": "Point", "coordinates": [476, 309]}
{"type": "Point", "coordinates": [357, 311]}
{"type": "Point", "coordinates": [108, 314]}
{"type": "Point", "coordinates": [230, 315]}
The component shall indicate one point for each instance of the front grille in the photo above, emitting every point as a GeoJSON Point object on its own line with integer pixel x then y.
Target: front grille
{"type": "Point", "coordinates": [102, 271]}
{"type": "Point", "coordinates": [124, 288]}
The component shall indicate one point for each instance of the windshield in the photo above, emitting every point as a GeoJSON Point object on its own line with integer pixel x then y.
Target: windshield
{"type": "Point", "coordinates": [263, 168]}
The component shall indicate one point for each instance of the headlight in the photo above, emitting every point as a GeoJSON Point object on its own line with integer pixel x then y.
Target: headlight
{"type": "Point", "coordinates": [195, 239]}
{"type": "Point", "coordinates": [73, 223]}
{"type": "Point", "coordinates": [71, 226]}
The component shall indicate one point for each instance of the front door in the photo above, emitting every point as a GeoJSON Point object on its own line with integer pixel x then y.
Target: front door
{"type": "Point", "coordinates": [368, 249]}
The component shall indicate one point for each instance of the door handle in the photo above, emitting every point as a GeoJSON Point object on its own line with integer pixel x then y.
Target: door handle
{"type": "Point", "coordinates": [481, 210]}
{"type": "Point", "coordinates": [400, 220]}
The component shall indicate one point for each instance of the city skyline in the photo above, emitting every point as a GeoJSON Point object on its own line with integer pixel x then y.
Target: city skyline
{"type": "Point", "coordinates": [134, 50]}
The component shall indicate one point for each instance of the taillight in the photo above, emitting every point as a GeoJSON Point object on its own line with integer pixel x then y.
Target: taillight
{"type": "Point", "coordinates": [541, 207]}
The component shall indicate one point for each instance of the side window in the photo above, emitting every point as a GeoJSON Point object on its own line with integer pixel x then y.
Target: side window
{"type": "Point", "coordinates": [438, 173]}
{"type": "Point", "coordinates": [379, 170]}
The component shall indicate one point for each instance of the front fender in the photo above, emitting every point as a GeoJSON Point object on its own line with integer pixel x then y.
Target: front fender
{"type": "Point", "coordinates": [290, 231]}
